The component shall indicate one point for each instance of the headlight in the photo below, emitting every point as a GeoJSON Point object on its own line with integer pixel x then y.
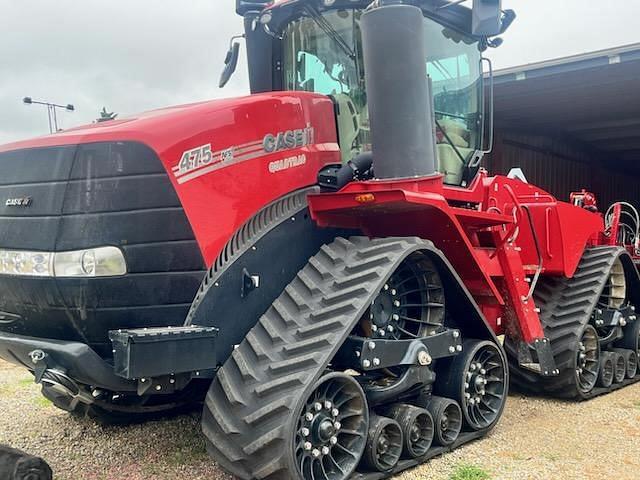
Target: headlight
{"type": "Point", "coordinates": [93, 262]}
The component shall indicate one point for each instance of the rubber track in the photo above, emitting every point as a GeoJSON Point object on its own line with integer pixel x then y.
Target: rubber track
{"type": "Point", "coordinates": [566, 305]}
{"type": "Point", "coordinates": [249, 411]}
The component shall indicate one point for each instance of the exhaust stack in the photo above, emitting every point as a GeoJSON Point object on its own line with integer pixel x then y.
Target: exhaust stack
{"type": "Point", "coordinates": [398, 92]}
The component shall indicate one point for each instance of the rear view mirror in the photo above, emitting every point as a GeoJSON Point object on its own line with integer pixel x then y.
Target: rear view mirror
{"type": "Point", "coordinates": [487, 17]}
{"type": "Point", "coordinates": [230, 63]}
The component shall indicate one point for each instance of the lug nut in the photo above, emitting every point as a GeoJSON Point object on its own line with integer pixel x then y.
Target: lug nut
{"type": "Point", "coordinates": [396, 303]}
{"type": "Point", "coordinates": [333, 440]}
{"type": "Point", "coordinates": [458, 348]}
{"type": "Point", "coordinates": [386, 286]}
{"type": "Point", "coordinates": [317, 406]}
{"type": "Point", "coordinates": [467, 396]}
{"type": "Point", "coordinates": [456, 334]}
{"type": "Point", "coordinates": [472, 367]}
{"type": "Point", "coordinates": [315, 452]}
{"type": "Point", "coordinates": [483, 371]}
{"type": "Point", "coordinates": [309, 417]}
{"type": "Point", "coordinates": [372, 345]}
{"type": "Point", "coordinates": [335, 412]}
{"type": "Point", "coordinates": [307, 445]}
{"type": "Point", "coordinates": [376, 362]}
{"type": "Point", "coordinates": [325, 450]}
{"type": "Point", "coordinates": [390, 328]}
{"type": "Point", "coordinates": [374, 328]}
{"type": "Point", "coordinates": [305, 432]}
{"type": "Point", "coordinates": [393, 291]}
{"type": "Point", "coordinates": [366, 363]}
{"type": "Point", "coordinates": [337, 425]}
{"type": "Point", "coordinates": [382, 332]}
{"type": "Point", "coordinates": [395, 316]}
{"type": "Point", "coordinates": [452, 349]}
{"type": "Point", "coordinates": [328, 405]}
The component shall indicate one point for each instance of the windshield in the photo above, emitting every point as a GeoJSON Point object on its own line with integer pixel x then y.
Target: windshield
{"type": "Point", "coordinates": [323, 54]}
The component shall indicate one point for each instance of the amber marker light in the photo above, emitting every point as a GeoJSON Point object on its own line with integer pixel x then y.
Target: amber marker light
{"type": "Point", "coordinates": [365, 198]}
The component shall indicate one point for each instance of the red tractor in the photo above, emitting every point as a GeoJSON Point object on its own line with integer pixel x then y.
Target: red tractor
{"type": "Point", "coordinates": [360, 264]}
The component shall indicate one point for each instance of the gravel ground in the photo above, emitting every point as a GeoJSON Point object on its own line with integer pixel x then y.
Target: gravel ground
{"type": "Point", "coordinates": [536, 439]}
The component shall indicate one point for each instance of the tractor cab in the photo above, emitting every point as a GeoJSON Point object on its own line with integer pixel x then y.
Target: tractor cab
{"type": "Point", "coordinates": [316, 46]}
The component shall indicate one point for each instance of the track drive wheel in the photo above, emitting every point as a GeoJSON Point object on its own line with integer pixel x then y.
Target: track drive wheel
{"type": "Point", "coordinates": [478, 380]}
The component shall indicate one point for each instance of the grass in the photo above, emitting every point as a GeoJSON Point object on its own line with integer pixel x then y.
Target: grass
{"type": "Point", "coordinates": [469, 472]}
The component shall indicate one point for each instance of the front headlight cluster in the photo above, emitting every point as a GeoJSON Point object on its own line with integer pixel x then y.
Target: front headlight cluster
{"type": "Point", "coordinates": [93, 262]}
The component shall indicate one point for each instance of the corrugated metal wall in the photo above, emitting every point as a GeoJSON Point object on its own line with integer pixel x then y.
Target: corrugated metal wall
{"type": "Point", "coordinates": [561, 167]}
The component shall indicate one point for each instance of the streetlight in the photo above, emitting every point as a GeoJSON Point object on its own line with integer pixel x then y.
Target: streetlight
{"type": "Point", "coordinates": [51, 111]}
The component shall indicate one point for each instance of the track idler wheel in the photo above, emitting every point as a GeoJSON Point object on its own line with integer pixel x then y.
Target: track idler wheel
{"type": "Point", "coordinates": [605, 377]}
{"type": "Point", "coordinates": [631, 361]}
{"type": "Point", "coordinates": [384, 445]}
{"type": "Point", "coordinates": [417, 429]}
{"type": "Point", "coordinates": [332, 429]}
{"type": "Point", "coordinates": [477, 380]}
{"type": "Point", "coordinates": [619, 368]}
{"type": "Point", "coordinates": [447, 418]}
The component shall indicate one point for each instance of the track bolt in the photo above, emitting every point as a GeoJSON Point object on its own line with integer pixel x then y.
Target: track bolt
{"type": "Point", "coordinates": [309, 417]}
{"type": "Point", "coordinates": [393, 291]}
{"type": "Point", "coordinates": [472, 367]}
{"type": "Point", "coordinates": [452, 349]}
{"type": "Point", "coordinates": [396, 303]}
{"type": "Point", "coordinates": [366, 363]}
{"type": "Point", "coordinates": [305, 432]}
{"type": "Point", "coordinates": [333, 440]}
{"type": "Point", "coordinates": [396, 317]}
{"type": "Point", "coordinates": [376, 362]}
{"type": "Point", "coordinates": [325, 450]}
{"type": "Point", "coordinates": [472, 401]}
{"type": "Point", "coordinates": [328, 405]}
{"type": "Point", "coordinates": [337, 425]}
{"type": "Point", "coordinates": [372, 345]}
{"type": "Point", "coordinates": [483, 371]}
{"type": "Point", "coordinates": [458, 348]}
{"type": "Point", "coordinates": [335, 412]}
{"type": "Point", "coordinates": [307, 445]}
{"type": "Point", "coordinates": [315, 452]}
{"type": "Point", "coordinates": [317, 406]}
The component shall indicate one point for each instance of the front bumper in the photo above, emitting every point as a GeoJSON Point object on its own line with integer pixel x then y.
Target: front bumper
{"type": "Point", "coordinates": [77, 360]}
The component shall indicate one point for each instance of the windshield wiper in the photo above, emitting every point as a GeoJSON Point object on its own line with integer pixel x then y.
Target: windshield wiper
{"type": "Point", "coordinates": [331, 32]}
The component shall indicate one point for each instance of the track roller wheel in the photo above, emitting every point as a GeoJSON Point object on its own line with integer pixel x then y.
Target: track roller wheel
{"type": "Point", "coordinates": [605, 377]}
{"type": "Point", "coordinates": [332, 429]}
{"type": "Point", "coordinates": [477, 380]}
{"type": "Point", "coordinates": [587, 360]}
{"type": "Point", "coordinates": [447, 418]}
{"type": "Point", "coordinates": [631, 361]}
{"type": "Point", "coordinates": [417, 429]}
{"type": "Point", "coordinates": [619, 367]}
{"type": "Point", "coordinates": [384, 445]}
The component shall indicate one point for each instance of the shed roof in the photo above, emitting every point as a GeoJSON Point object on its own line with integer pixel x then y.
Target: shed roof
{"type": "Point", "coordinates": [593, 98]}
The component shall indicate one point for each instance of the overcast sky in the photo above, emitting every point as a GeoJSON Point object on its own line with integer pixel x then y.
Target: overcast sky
{"type": "Point", "coordinates": [134, 55]}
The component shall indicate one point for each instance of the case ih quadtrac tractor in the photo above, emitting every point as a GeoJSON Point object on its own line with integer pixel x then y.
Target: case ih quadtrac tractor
{"type": "Point", "coordinates": [358, 263]}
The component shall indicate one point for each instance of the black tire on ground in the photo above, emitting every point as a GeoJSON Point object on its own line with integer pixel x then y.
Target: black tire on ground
{"type": "Point", "coordinates": [447, 418]}
{"type": "Point", "coordinates": [619, 367]}
{"type": "Point", "coordinates": [384, 444]}
{"type": "Point", "coordinates": [631, 360]}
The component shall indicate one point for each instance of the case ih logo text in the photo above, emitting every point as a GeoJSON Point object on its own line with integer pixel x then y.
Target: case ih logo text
{"type": "Point", "coordinates": [18, 202]}
{"type": "Point", "coordinates": [288, 140]}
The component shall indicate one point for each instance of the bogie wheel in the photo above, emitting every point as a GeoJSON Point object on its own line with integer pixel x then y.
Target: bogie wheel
{"type": "Point", "coordinates": [332, 427]}
{"type": "Point", "coordinates": [417, 429]}
{"type": "Point", "coordinates": [384, 444]}
{"type": "Point", "coordinates": [447, 418]}
{"type": "Point", "coordinates": [631, 361]}
{"type": "Point", "coordinates": [619, 368]}
{"type": "Point", "coordinates": [587, 360]}
{"type": "Point", "coordinates": [478, 380]}
{"type": "Point", "coordinates": [605, 376]}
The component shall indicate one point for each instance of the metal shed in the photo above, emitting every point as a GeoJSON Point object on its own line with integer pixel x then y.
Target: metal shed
{"type": "Point", "coordinates": [573, 123]}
